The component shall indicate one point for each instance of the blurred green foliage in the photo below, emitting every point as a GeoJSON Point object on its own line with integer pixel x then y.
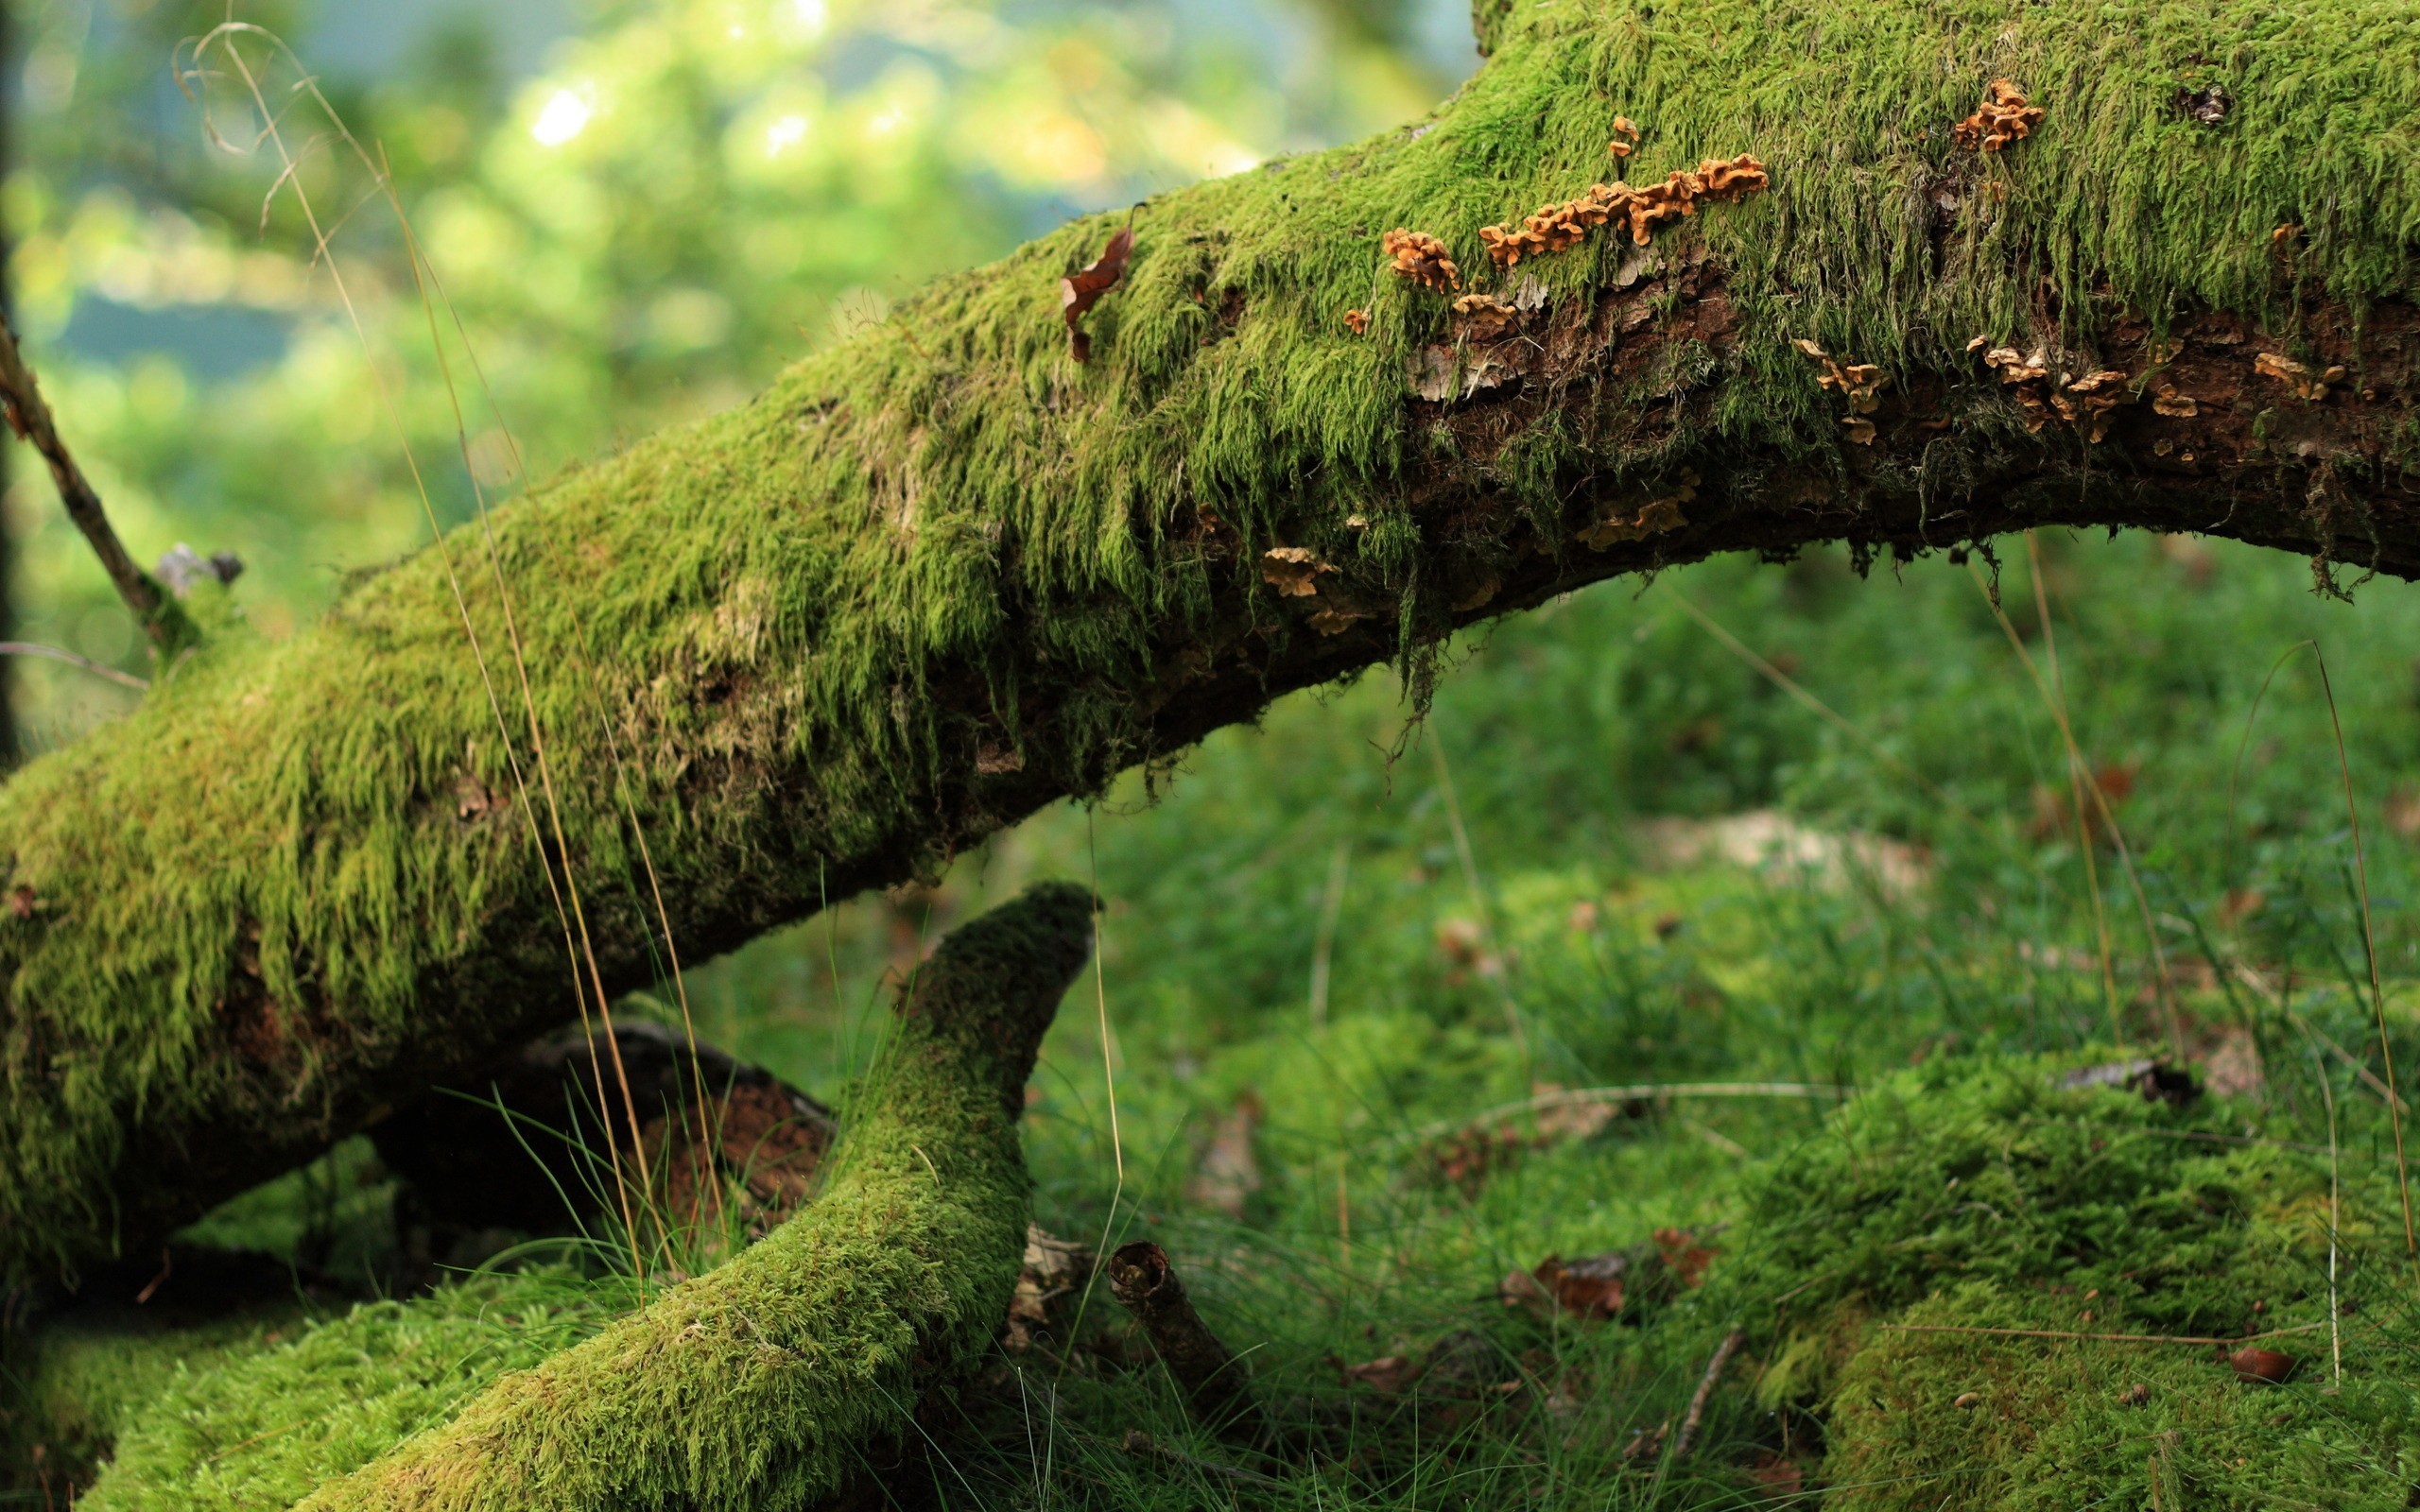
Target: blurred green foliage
{"type": "Point", "coordinates": [686, 196]}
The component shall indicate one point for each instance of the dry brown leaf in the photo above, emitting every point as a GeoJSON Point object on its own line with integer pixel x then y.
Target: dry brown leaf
{"type": "Point", "coordinates": [1389, 1374]}
{"type": "Point", "coordinates": [1079, 291]}
{"type": "Point", "coordinates": [2257, 1366]}
{"type": "Point", "coordinates": [1054, 1270]}
{"type": "Point", "coordinates": [2004, 117]}
{"type": "Point", "coordinates": [1292, 569]}
{"type": "Point", "coordinates": [1229, 1172]}
{"type": "Point", "coordinates": [1683, 1256]}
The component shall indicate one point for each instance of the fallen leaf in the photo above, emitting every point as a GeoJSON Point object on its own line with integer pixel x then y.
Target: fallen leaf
{"type": "Point", "coordinates": [1590, 1288]}
{"type": "Point", "coordinates": [1080, 290]}
{"type": "Point", "coordinates": [1523, 1292]}
{"type": "Point", "coordinates": [1229, 1172]}
{"type": "Point", "coordinates": [1388, 1374]}
{"type": "Point", "coordinates": [2257, 1366]}
{"type": "Point", "coordinates": [1683, 1256]}
{"type": "Point", "coordinates": [1777, 1473]}
{"type": "Point", "coordinates": [1054, 1270]}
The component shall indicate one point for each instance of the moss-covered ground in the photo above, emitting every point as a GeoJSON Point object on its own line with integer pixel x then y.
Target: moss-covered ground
{"type": "Point", "coordinates": [1539, 876]}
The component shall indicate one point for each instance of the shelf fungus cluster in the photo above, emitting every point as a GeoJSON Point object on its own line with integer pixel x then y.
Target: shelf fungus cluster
{"type": "Point", "coordinates": [2003, 119]}
{"type": "Point", "coordinates": [1559, 228]}
{"type": "Point", "coordinates": [1859, 383]}
{"type": "Point", "coordinates": [2088, 398]}
{"type": "Point", "coordinates": [1423, 259]}
{"type": "Point", "coordinates": [2308, 385]}
{"type": "Point", "coordinates": [1636, 519]}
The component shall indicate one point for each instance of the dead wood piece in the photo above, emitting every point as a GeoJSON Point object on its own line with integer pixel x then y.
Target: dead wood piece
{"type": "Point", "coordinates": [1696, 1415]}
{"type": "Point", "coordinates": [1214, 1380]}
{"type": "Point", "coordinates": [29, 416]}
{"type": "Point", "coordinates": [527, 1146]}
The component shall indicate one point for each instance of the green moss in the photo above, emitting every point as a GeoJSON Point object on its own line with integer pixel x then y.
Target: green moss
{"type": "Point", "coordinates": [755, 1386]}
{"type": "Point", "coordinates": [304, 873]}
{"type": "Point", "coordinates": [264, 1426]}
{"type": "Point", "coordinates": [68, 1390]}
{"type": "Point", "coordinates": [1983, 1195]}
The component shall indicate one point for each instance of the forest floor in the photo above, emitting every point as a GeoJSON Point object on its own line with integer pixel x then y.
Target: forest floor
{"type": "Point", "coordinates": [1362, 1013]}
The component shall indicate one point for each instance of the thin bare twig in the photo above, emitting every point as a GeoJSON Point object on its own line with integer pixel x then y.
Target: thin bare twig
{"type": "Point", "coordinates": [1696, 1415]}
{"type": "Point", "coordinates": [99, 669]}
{"type": "Point", "coordinates": [29, 416]}
{"type": "Point", "coordinates": [2101, 1338]}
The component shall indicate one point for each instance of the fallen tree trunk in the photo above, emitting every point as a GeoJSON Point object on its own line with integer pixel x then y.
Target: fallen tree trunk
{"type": "Point", "coordinates": [759, 1384]}
{"type": "Point", "coordinates": [943, 574]}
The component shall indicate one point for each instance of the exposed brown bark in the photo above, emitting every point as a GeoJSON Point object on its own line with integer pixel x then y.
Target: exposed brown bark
{"type": "Point", "coordinates": [1213, 1380]}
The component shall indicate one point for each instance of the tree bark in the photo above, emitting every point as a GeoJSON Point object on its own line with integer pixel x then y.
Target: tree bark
{"type": "Point", "coordinates": [943, 574]}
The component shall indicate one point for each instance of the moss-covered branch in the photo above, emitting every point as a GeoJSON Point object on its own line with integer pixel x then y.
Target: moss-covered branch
{"type": "Point", "coordinates": [943, 575]}
{"type": "Point", "coordinates": [757, 1385]}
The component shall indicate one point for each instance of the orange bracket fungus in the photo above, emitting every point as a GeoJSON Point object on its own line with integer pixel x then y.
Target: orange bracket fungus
{"type": "Point", "coordinates": [2306, 385]}
{"type": "Point", "coordinates": [1859, 383]}
{"type": "Point", "coordinates": [1557, 228]}
{"type": "Point", "coordinates": [1483, 317]}
{"type": "Point", "coordinates": [1292, 569]}
{"type": "Point", "coordinates": [2003, 119]}
{"type": "Point", "coordinates": [1423, 259]}
{"type": "Point", "coordinates": [1625, 139]}
{"type": "Point", "coordinates": [2089, 399]}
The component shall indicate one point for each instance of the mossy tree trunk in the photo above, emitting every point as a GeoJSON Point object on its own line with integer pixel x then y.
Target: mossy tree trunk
{"type": "Point", "coordinates": [943, 575]}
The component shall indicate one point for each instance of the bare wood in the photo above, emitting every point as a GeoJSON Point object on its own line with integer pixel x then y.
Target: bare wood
{"type": "Point", "coordinates": [29, 416]}
{"type": "Point", "coordinates": [1689, 1424]}
{"type": "Point", "coordinates": [1214, 1379]}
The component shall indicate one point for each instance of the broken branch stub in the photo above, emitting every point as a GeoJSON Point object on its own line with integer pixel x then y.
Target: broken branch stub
{"type": "Point", "coordinates": [1214, 1380]}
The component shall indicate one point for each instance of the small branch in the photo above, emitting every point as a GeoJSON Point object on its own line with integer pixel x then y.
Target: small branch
{"type": "Point", "coordinates": [1213, 1379]}
{"type": "Point", "coordinates": [1689, 1424]}
{"type": "Point", "coordinates": [30, 419]}
{"type": "Point", "coordinates": [99, 669]}
{"type": "Point", "coordinates": [2100, 1338]}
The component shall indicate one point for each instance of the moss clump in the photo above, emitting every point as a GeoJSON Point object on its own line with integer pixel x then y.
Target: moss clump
{"type": "Point", "coordinates": [1983, 1194]}
{"type": "Point", "coordinates": [259, 1427]}
{"type": "Point", "coordinates": [68, 1390]}
{"type": "Point", "coordinates": [755, 1386]}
